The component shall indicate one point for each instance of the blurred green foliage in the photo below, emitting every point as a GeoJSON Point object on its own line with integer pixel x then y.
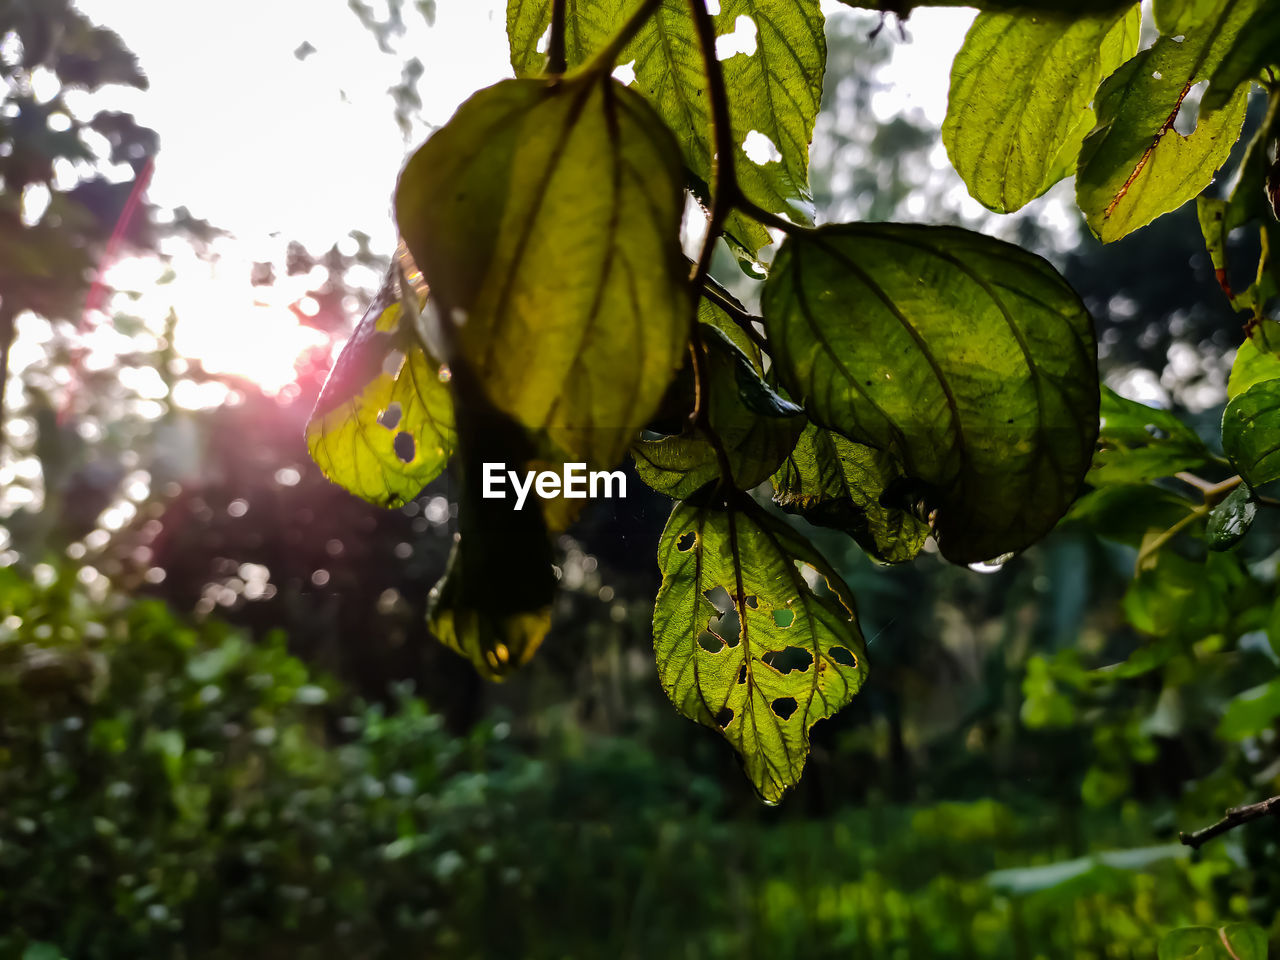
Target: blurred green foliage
{"type": "Point", "coordinates": [176, 791]}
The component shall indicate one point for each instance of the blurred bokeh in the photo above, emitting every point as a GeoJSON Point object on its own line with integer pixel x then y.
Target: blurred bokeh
{"type": "Point", "coordinates": [225, 731]}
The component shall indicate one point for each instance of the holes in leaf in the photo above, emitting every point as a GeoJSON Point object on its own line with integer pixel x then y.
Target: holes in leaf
{"type": "Point", "coordinates": [752, 602]}
{"type": "Point", "coordinates": [726, 625]}
{"type": "Point", "coordinates": [784, 707]}
{"type": "Point", "coordinates": [390, 417]}
{"type": "Point", "coordinates": [625, 73]}
{"type": "Point", "coordinates": [784, 618]}
{"type": "Point", "coordinates": [843, 656]}
{"type": "Point", "coordinates": [809, 573]}
{"type": "Point", "coordinates": [1189, 113]}
{"type": "Point", "coordinates": [709, 642]}
{"type": "Point", "coordinates": [404, 446]}
{"type": "Point", "coordinates": [760, 149]}
{"type": "Point", "coordinates": [742, 673]}
{"type": "Point", "coordinates": [741, 40]}
{"type": "Point", "coordinates": [725, 716]}
{"type": "Point", "coordinates": [789, 659]}
{"type": "Point", "coordinates": [393, 362]}
{"type": "Point", "coordinates": [686, 541]}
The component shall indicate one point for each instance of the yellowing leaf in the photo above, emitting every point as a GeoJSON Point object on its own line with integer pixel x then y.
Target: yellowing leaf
{"type": "Point", "coordinates": [545, 217]}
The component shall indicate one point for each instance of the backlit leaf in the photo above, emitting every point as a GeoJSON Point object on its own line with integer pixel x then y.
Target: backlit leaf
{"type": "Point", "coordinates": [1138, 443]}
{"type": "Point", "coordinates": [1135, 166]}
{"type": "Point", "coordinates": [1255, 47]}
{"type": "Point", "coordinates": [1178, 16]}
{"type": "Point", "coordinates": [1020, 92]}
{"type": "Point", "coordinates": [546, 219]}
{"type": "Point", "coordinates": [383, 424]}
{"type": "Point", "coordinates": [969, 360]}
{"type": "Point", "coordinates": [1252, 365]}
{"type": "Point", "coordinates": [747, 640]}
{"type": "Point", "coordinates": [837, 483]}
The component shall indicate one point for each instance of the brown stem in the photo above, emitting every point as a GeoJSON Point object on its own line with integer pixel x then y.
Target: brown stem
{"type": "Point", "coordinates": [739, 316]}
{"type": "Point", "coordinates": [1234, 818]}
{"type": "Point", "coordinates": [556, 59]}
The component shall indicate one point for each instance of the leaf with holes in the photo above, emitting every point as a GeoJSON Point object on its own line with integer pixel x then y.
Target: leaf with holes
{"type": "Point", "coordinates": [969, 360]}
{"type": "Point", "coordinates": [756, 436]}
{"type": "Point", "coordinates": [837, 483]}
{"type": "Point", "coordinates": [1020, 92]}
{"type": "Point", "coordinates": [1251, 432]}
{"type": "Point", "coordinates": [383, 425]}
{"type": "Point", "coordinates": [1135, 166]}
{"type": "Point", "coordinates": [545, 217]}
{"type": "Point", "coordinates": [746, 640]}
{"type": "Point", "coordinates": [774, 90]}
{"type": "Point", "coordinates": [1138, 443]}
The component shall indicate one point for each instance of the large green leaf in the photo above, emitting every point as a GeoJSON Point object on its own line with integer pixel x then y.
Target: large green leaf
{"type": "Point", "coordinates": [546, 219]}
{"type": "Point", "coordinates": [1138, 443]}
{"type": "Point", "coordinates": [969, 360]}
{"type": "Point", "coordinates": [756, 427]}
{"type": "Point", "coordinates": [1252, 365]}
{"type": "Point", "coordinates": [1255, 47]}
{"type": "Point", "coordinates": [837, 483]}
{"type": "Point", "coordinates": [1235, 941]}
{"type": "Point", "coordinates": [1175, 17]}
{"type": "Point", "coordinates": [774, 92]}
{"type": "Point", "coordinates": [1135, 166]}
{"type": "Point", "coordinates": [747, 642]}
{"type": "Point", "coordinates": [1020, 92]}
{"type": "Point", "coordinates": [1251, 432]}
{"type": "Point", "coordinates": [382, 427]}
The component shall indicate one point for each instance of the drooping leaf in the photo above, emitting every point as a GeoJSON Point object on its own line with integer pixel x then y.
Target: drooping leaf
{"type": "Point", "coordinates": [1235, 941]}
{"type": "Point", "coordinates": [969, 360]}
{"type": "Point", "coordinates": [756, 436]}
{"type": "Point", "coordinates": [1020, 92]}
{"type": "Point", "coordinates": [1135, 166]}
{"type": "Point", "coordinates": [1231, 519]}
{"type": "Point", "coordinates": [1254, 48]}
{"type": "Point", "coordinates": [1251, 432]}
{"type": "Point", "coordinates": [1138, 443]}
{"type": "Point", "coordinates": [383, 426]}
{"type": "Point", "coordinates": [545, 217]}
{"type": "Point", "coordinates": [774, 92]}
{"type": "Point", "coordinates": [747, 642]}
{"type": "Point", "coordinates": [837, 483]}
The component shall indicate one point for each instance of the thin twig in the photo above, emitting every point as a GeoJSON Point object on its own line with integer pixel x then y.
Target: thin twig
{"type": "Point", "coordinates": [556, 59]}
{"type": "Point", "coordinates": [724, 179]}
{"type": "Point", "coordinates": [759, 213]}
{"type": "Point", "coordinates": [1234, 818]}
{"type": "Point", "coordinates": [739, 316]}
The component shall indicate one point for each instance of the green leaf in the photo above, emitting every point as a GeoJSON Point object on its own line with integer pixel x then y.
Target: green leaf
{"type": "Point", "coordinates": [1175, 17]}
{"type": "Point", "coordinates": [969, 360]}
{"type": "Point", "coordinates": [836, 483]}
{"type": "Point", "coordinates": [1251, 432]}
{"type": "Point", "coordinates": [756, 442]}
{"type": "Point", "coordinates": [1254, 48]}
{"type": "Point", "coordinates": [1253, 364]}
{"type": "Point", "coordinates": [1251, 712]}
{"type": "Point", "coordinates": [746, 641]}
{"type": "Point", "coordinates": [382, 427]}
{"type": "Point", "coordinates": [1135, 166]}
{"type": "Point", "coordinates": [1138, 443]}
{"type": "Point", "coordinates": [1235, 941]}
{"type": "Point", "coordinates": [571, 305]}
{"type": "Point", "coordinates": [1178, 598]}
{"type": "Point", "coordinates": [1231, 519]}
{"type": "Point", "coordinates": [774, 92]}
{"type": "Point", "coordinates": [1126, 513]}
{"type": "Point", "coordinates": [1020, 92]}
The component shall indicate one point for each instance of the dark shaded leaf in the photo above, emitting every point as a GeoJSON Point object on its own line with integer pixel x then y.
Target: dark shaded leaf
{"type": "Point", "coordinates": [1231, 519]}
{"type": "Point", "coordinates": [1138, 443]}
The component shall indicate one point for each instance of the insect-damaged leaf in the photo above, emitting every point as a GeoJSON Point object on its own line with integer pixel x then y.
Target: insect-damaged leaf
{"type": "Point", "coordinates": [746, 640]}
{"type": "Point", "coordinates": [774, 91]}
{"type": "Point", "coordinates": [1251, 432]}
{"type": "Point", "coordinates": [755, 437]}
{"type": "Point", "coordinates": [546, 219]}
{"type": "Point", "coordinates": [969, 360]}
{"type": "Point", "coordinates": [1138, 443]}
{"type": "Point", "coordinates": [837, 483]}
{"type": "Point", "coordinates": [383, 424]}
{"type": "Point", "coordinates": [1020, 92]}
{"type": "Point", "coordinates": [1135, 166]}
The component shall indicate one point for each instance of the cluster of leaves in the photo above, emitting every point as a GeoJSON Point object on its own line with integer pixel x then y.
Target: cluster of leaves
{"type": "Point", "coordinates": [902, 382]}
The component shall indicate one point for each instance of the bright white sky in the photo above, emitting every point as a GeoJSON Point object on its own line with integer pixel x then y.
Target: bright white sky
{"type": "Point", "coordinates": [273, 148]}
